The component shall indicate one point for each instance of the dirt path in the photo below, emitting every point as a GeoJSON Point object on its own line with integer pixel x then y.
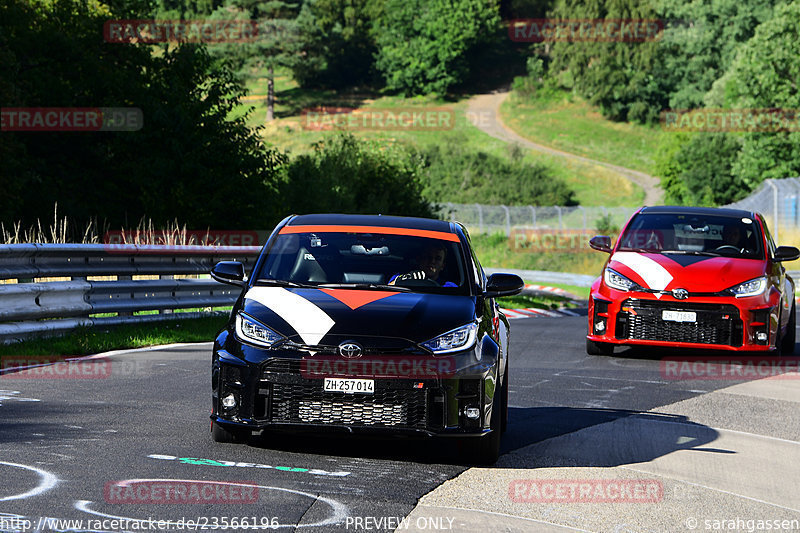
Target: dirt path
{"type": "Point", "coordinates": [653, 195]}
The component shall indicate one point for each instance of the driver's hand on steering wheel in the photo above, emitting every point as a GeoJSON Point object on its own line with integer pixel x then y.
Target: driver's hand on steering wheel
{"type": "Point", "coordinates": [416, 274]}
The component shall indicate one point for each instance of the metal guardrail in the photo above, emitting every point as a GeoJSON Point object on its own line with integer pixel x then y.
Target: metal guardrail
{"type": "Point", "coordinates": [33, 306]}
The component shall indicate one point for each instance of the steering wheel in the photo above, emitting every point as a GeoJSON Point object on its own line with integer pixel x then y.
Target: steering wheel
{"type": "Point", "coordinates": [728, 247]}
{"type": "Point", "coordinates": [417, 283]}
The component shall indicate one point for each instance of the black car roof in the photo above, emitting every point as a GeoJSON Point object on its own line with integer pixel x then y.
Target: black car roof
{"type": "Point", "coordinates": [677, 209]}
{"type": "Point", "coordinates": [372, 220]}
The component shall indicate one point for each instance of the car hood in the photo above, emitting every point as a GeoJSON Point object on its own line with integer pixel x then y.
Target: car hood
{"type": "Point", "coordinates": [691, 272]}
{"type": "Point", "coordinates": [385, 320]}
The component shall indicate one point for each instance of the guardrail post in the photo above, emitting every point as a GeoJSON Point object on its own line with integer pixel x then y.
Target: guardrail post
{"type": "Point", "coordinates": [533, 215]}
{"type": "Point", "coordinates": [480, 218]}
{"type": "Point", "coordinates": [560, 222]}
{"type": "Point", "coordinates": [166, 311]}
{"type": "Point", "coordinates": [125, 313]}
{"type": "Point", "coordinates": [584, 216]}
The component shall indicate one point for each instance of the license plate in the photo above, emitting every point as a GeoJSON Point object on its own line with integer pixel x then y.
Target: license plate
{"type": "Point", "coordinates": [679, 316]}
{"type": "Point", "coordinates": [350, 386]}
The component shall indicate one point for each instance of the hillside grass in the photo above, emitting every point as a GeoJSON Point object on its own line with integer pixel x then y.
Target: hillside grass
{"type": "Point", "coordinates": [593, 184]}
{"type": "Point", "coordinates": [567, 122]}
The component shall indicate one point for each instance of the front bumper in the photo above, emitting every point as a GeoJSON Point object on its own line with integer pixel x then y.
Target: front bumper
{"type": "Point", "coordinates": [721, 323]}
{"type": "Point", "coordinates": [272, 390]}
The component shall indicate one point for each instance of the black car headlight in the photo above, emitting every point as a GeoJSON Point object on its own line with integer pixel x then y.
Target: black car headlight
{"type": "Point", "coordinates": [754, 287]}
{"type": "Point", "coordinates": [250, 330]}
{"type": "Point", "coordinates": [454, 340]}
{"type": "Point", "coordinates": [617, 281]}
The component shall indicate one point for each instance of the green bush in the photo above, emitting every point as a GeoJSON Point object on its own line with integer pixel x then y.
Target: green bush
{"type": "Point", "coordinates": [346, 175]}
{"type": "Point", "coordinates": [462, 175]}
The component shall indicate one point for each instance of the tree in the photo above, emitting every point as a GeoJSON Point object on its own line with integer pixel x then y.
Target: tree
{"type": "Point", "coordinates": [188, 161]}
{"type": "Point", "coordinates": [336, 44]}
{"type": "Point", "coordinates": [424, 46]}
{"type": "Point", "coordinates": [765, 75]}
{"type": "Point", "coordinates": [276, 44]}
{"type": "Point", "coordinates": [621, 77]}
{"type": "Point", "coordinates": [696, 169]}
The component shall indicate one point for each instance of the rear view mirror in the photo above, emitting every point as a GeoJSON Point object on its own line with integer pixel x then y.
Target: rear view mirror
{"type": "Point", "coordinates": [786, 253]}
{"type": "Point", "coordinates": [503, 285]}
{"type": "Point", "coordinates": [601, 243]}
{"type": "Point", "coordinates": [230, 272]}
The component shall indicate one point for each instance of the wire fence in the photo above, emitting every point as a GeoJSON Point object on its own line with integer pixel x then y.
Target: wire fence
{"type": "Point", "coordinates": [501, 218]}
{"type": "Point", "coordinates": [779, 202]}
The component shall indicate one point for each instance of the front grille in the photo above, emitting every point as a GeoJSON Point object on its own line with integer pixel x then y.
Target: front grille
{"type": "Point", "coordinates": [306, 402]}
{"type": "Point", "coordinates": [281, 366]}
{"type": "Point", "coordinates": [716, 323]}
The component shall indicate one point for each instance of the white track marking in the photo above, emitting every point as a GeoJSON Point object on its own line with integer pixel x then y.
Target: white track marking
{"type": "Point", "coordinates": [47, 482]}
{"type": "Point", "coordinates": [340, 510]}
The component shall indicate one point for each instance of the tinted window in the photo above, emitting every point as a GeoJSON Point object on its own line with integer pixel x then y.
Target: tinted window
{"type": "Point", "coordinates": [664, 232]}
{"type": "Point", "coordinates": [365, 258]}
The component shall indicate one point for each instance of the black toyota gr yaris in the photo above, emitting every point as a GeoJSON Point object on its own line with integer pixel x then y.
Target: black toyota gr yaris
{"type": "Point", "coordinates": [372, 324]}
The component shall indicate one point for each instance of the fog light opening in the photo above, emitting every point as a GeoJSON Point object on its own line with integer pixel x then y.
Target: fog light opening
{"type": "Point", "coordinates": [761, 336]}
{"type": "Point", "coordinates": [472, 413]}
{"type": "Point", "coordinates": [600, 325]}
{"type": "Point", "coordinates": [229, 401]}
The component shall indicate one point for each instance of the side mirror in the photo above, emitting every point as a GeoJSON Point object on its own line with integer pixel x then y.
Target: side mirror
{"type": "Point", "coordinates": [230, 272]}
{"type": "Point", "coordinates": [503, 285]}
{"type": "Point", "coordinates": [786, 253]}
{"type": "Point", "coordinates": [601, 242]}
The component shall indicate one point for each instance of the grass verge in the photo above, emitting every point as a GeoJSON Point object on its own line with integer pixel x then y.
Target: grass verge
{"type": "Point", "coordinates": [522, 301]}
{"type": "Point", "coordinates": [85, 341]}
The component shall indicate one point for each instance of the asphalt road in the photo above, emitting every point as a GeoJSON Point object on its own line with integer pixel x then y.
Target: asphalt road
{"type": "Point", "coordinates": [67, 442]}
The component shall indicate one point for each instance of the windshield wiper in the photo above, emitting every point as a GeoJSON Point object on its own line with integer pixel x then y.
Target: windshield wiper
{"type": "Point", "coordinates": [284, 283]}
{"type": "Point", "coordinates": [363, 286]}
{"type": "Point", "coordinates": [692, 252]}
{"type": "Point", "coordinates": [641, 250]}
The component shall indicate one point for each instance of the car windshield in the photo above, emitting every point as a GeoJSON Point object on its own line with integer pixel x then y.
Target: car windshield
{"type": "Point", "coordinates": [693, 234]}
{"type": "Point", "coordinates": [366, 261]}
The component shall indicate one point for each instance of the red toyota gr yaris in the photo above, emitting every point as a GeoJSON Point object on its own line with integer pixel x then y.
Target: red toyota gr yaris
{"type": "Point", "coordinates": [691, 277]}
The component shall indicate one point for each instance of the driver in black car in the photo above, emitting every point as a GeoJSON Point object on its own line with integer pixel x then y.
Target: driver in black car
{"type": "Point", "coordinates": [429, 264]}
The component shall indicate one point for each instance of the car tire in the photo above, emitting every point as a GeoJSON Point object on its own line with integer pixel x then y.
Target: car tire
{"type": "Point", "coordinates": [599, 348]}
{"type": "Point", "coordinates": [485, 450]}
{"type": "Point", "coordinates": [221, 433]}
{"type": "Point", "coordinates": [504, 409]}
{"type": "Point", "coordinates": [787, 341]}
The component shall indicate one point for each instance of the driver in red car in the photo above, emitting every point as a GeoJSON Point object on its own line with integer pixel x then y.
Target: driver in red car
{"type": "Point", "coordinates": [429, 264]}
{"type": "Point", "coordinates": [732, 235]}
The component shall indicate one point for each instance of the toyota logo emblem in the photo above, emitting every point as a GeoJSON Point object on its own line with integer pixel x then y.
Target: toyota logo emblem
{"type": "Point", "coordinates": [680, 294]}
{"type": "Point", "coordinates": [350, 350]}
